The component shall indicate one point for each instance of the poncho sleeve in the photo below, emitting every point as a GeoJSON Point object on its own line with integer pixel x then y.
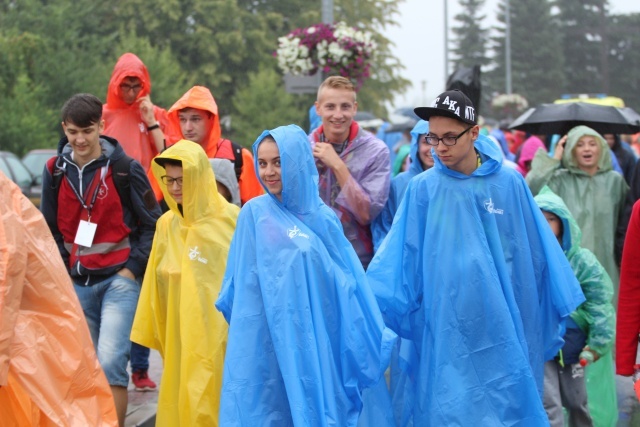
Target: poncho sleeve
{"type": "Point", "coordinates": [13, 265]}
{"type": "Point", "coordinates": [395, 273]}
{"type": "Point", "coordinates": [598, 291]}
{"type": "Point", "coordinates": [366, 196]}
{"type": "Point", "coordinates": [241, 261]}
{"type": "Point", "coordinates": [144, 330]}
{"type": "Point", "coordinates": [542, 170]}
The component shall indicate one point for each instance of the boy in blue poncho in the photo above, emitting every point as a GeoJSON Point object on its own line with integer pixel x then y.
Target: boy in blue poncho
{"type": "Point", "coordinates": [471, 273]}
{"type": "Point", "coordinates": [305, 333]}
{"type": "Point", "coordinates": [590, 328]}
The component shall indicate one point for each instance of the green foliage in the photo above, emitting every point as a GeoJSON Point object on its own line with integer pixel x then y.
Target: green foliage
{"type": "Point", "coordinates": [263, 104]}
{"type": "Point", "coordinates": [624, 58]}
{"type": "Point", "coordinates": [536, 61]}
{"type": "Point", "coordinates": [585, 41]}
{"type": "Point", "coordinates": [471, 38]}
{"type": "Point", "coordinates": [25, 122]}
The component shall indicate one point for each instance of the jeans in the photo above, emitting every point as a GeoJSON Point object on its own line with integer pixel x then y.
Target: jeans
{"type": "Point", "coordinates": [139, 357]}
{"type": "Point", "coordinates": [109, 307]}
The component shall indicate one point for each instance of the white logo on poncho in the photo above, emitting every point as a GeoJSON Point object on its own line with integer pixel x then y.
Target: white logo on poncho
{"type": "Point", "coordinates": [194, 255]}
{"type": "Point", "coordinates": [488, 205]}
{"type": "Point", "coordinates": [295, 231]}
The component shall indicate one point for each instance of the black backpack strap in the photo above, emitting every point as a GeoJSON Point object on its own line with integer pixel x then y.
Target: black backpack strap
{"type": "Point", "coordinates": [237, 153]}
{"type": "Point", "coordinates": [121, 174]}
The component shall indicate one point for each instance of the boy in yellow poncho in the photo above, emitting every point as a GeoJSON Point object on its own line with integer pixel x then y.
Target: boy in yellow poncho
{"type": "Point", "coordinates": [175, 314]}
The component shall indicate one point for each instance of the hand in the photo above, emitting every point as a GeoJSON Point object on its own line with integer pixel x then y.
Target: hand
{"type": "Point", "coordinates": [125, 272]}
{"type": "Point", "coordinates": [596, 356]}
{"type": "Point", "coordinates": [325, 152]}
{"type": "Point", "coordinates": [559, 151]}
{"type": "Point", "coordinates": [146, 110]}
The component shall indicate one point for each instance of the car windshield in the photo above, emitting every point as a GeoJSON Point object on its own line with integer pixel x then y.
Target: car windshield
{"type": "Point", "coordinates": [21, 175]}
{"type": "Point", "coordinates": [35, 161]}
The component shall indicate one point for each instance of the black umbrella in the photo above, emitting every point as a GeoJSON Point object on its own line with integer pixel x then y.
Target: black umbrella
{"type": "Point", "coordinates": [548, 119]}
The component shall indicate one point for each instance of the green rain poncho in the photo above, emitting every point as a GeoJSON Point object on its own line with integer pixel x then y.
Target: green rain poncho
{"type": "Point", "coordinates": [596, 202]}
{"type": "Point", "coordinates": [595, 316]}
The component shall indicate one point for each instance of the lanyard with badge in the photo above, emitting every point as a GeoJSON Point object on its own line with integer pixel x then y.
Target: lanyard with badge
{"type": "Point", "coordinates": [87, 229]}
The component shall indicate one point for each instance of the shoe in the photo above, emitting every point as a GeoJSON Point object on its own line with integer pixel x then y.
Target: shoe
{"type": "Point", "coordinates": [142, 382]}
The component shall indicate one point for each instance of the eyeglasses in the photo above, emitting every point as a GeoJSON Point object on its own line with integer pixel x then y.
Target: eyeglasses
{"type": "Point", "coordinates": [168, 181]}
{"type": "Point", "coordinates": [446, 140]}
{"type": "Point", "coordinates": [126, 88]}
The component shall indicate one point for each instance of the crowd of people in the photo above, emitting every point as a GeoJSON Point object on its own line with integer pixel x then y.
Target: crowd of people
{"type": "Point", "coordinates": [280, 284]}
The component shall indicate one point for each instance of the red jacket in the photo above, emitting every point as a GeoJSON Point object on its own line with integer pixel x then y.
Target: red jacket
{"type": "Point", "coordinates": [628, 324]}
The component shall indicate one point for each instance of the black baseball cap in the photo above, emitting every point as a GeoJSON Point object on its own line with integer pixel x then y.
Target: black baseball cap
{"type": "Point", "coordinates": [453, 104]}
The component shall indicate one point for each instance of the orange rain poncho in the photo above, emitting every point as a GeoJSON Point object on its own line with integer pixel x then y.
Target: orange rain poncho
{"type": "Point", "coordinates": [124, 122]}
{"type": "Point", "coordinates": [199, 97]}
{"type": "Point", "coordinates": [49, 372]}
{"type": "Point", "coordinates": [175, 313]}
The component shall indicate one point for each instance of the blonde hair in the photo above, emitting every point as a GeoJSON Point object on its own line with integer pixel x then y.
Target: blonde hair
{"type": "Point", "coordinates": [337, 82]}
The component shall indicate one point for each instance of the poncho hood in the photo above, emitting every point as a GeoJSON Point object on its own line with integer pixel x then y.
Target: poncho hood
{"type": "Point", "coordinates": [128, 65]}
{"type": "Point", "coordinates": [528, 152]}
{"type": "Point", "coordinates": [199, 97]}
{"type": "Point", "coordinates": [197, 205]}
{"type": "Point", "coordinates": [569, 161]}
{"type": "Point", "coordinates": [571, 234]}
{"type": "Point", "coordinates": [420, 128]}
{"type": "Point", "coordinates": [298, 172]}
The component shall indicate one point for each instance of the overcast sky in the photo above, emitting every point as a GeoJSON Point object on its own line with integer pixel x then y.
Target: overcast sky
{"type": "Point", "coordinates": [419, 42]}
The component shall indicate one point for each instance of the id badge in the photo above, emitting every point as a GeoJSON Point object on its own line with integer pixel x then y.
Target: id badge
{"type": "Point", "coordinates": [86, 233]}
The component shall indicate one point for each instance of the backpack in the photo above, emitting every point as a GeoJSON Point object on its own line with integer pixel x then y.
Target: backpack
{"type": "Point", "coordinates": [237, 154]}
{"type": "Point", "coordinates": [120, 171]}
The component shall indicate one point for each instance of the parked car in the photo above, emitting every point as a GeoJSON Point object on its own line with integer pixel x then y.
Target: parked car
{"type": "Point", "coordinates": [12, 166]}
{"type": "Point", "coordinates": [35, 160]}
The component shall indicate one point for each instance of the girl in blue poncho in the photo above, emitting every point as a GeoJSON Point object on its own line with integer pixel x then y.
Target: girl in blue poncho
{"type": "Point", "coordinates": [305, 333]}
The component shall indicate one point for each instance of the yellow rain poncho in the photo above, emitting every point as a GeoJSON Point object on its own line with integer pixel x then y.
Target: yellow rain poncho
{"type": "Point", "coordinates": [176, 313]}
{"type": "Point", "coordinates": [49, 372]}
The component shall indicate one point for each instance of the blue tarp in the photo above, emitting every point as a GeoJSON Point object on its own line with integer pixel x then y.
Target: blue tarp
{"type": "Point", "coordinates": [471, 273]}
{"type": "Point", "coordinates": [305, 333]}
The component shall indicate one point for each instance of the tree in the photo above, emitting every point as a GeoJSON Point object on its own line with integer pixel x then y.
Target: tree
{"type": "Point", "coordinates": [624, 58]}
{"type": "Point", "coordinates": [255, 106]}
{"type": "Point", "coordinates": [536, 61]}
{"type": "Point", "coordinates": [471, 38]}
{"type": "Point", "coordinates": [585, 45]}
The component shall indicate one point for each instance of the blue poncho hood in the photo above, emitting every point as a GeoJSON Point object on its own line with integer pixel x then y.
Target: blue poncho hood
{"type": "Point", "coordinates": [420, 128]}
{"type": "Point", "coordinates": [471, 273]}
{"type": "Point", "coordinates": [305, 333]}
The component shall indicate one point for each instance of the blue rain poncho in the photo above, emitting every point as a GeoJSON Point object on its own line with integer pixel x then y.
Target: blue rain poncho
{"type": "Point", "coordinates": [472, 274]}
{"type": "Point", "coordinates": [381, 225]}
{"type": "Point", "coordinates": [305, 333]}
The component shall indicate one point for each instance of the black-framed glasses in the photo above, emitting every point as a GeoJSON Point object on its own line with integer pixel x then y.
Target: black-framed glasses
{"type": "Point", "coordinates": [168, 181]}
{"type": "Point", "coordinates": [446, 140]}
{"type": "Point", "coordinates": [126, 88]}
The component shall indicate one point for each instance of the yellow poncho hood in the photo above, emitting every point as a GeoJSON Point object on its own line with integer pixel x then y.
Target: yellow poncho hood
{"type": "Point", "coordinates": [176, 313]}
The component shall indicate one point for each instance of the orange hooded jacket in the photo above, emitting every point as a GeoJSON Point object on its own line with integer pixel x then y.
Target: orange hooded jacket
{"type": "Point", "coordinates": [49, 372]}
{"type": "Point", "coordinates": [124, 122]}
{"type": "Point", "coordinates": [216, 147]}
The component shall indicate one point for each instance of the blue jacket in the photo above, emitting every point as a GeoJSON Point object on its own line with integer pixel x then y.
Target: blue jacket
{"type": "Point", "coordinates": [305, 333]}
{"type": "Point", "coordinates": [472, 274]}
{"type": "Point", "coordinates": [381, 225]}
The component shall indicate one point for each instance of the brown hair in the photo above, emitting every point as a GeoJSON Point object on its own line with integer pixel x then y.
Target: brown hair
{"type": "Point", "coordinates": [338, 82]}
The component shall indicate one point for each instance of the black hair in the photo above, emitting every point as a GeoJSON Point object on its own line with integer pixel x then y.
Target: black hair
{"type": "Point", "coordinates": [164, 161]}
{"type": "Point", "coordinates": [82, 109]}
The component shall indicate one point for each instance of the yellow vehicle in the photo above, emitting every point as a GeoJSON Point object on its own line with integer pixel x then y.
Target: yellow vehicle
{"type": "Point", "coordinates": [592, 98]}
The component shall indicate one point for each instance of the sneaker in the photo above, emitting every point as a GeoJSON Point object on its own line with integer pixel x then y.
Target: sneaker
{"type": "Point", "coordinates": [142, 382]}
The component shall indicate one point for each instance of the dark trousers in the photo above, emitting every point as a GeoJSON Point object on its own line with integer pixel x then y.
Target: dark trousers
{"type": "Point", "coordinates": [139, 357]}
